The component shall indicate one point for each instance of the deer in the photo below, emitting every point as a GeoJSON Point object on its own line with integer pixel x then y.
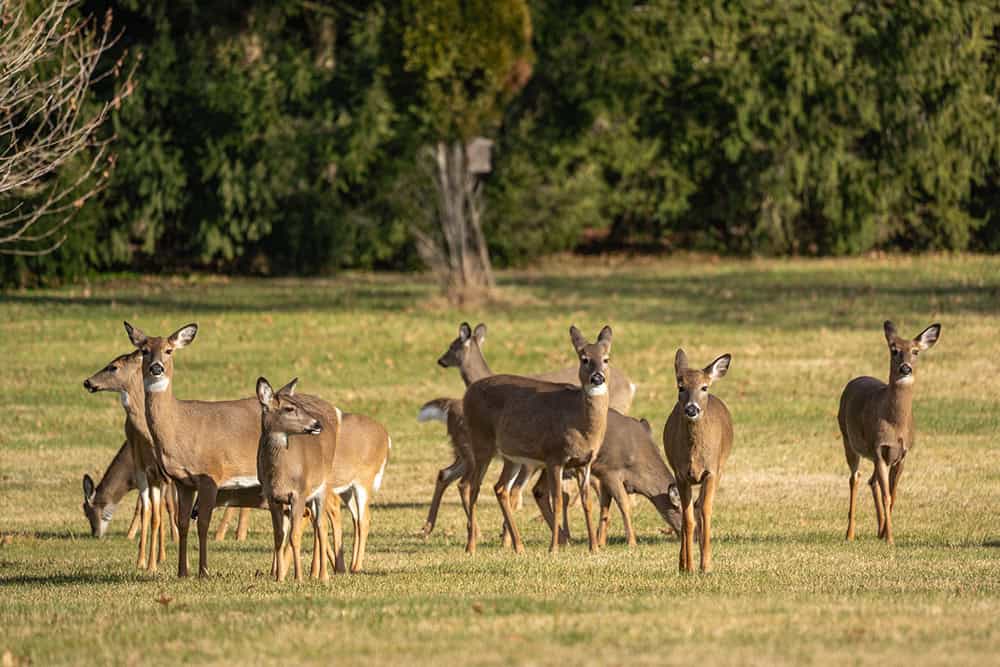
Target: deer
{"type": "Point", "coordinates": [101, 500]}
{"type": "Point", "coordinates": [466, 353]}
{"type": "Point", "coordinates": [123, 375]}
{"type": "Point", "coordinates": [293, 473]}
{"type": "Point", "coordinates": [359, 462]}
{"type": "Point", "coordinates": [876, 422]}
{"type": "Point", "coordinates": [698, 438]}
{"type": "Point", "coordinates": [532, 422]}
{"type": "Point", "coordinates": [208, 447]}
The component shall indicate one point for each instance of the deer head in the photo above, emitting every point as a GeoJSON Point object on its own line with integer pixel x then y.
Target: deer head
{"type": "Point", "coordinates": [157, 354]}
{"type": "Point", "coordinates": [281, 415]}
{"type": "Point", "coordinates": [459, 349]}
{"type": "Point", "coordinates": [693, 383]}
{"type": "Point", "coordinates": [594, 360]}
{"type": "Point", "coordinates": [99, 516]}
{"type": "Point", "coordinates": [903, 352]}
{"type": "Point", "coordinates": [116, 376]}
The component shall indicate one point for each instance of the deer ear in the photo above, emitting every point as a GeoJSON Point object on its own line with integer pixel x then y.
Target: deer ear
{"type": "Point", "coordinates": [890, 331]}
{"type": "Point", "coordinates": [680, 361]}
{"type": "Point", "coordinates": [464, 332]}
{"type": "Point", "coordinates": [184, 336]}
{"type": "Point", "coordinates": [289, 389]}
{"type": "Point", "coordinates": [135, 335]}
{"type": "Point", "coordinates": [480, 334]}
{"type": "Point", "coordinates": [578, 340]}
{"type": "Point", "coordinates": [928, 336]}
{"type": "Point", "coordinates": [605, 336]}
{"type": "Point", "coordinates": [645, 425]}
{"type": "Point", "coordinates": [264, 392]}
{"type": "Point", "coordinates": [88, 489]}
{"type": "Point", "coordinates": [718, 368]}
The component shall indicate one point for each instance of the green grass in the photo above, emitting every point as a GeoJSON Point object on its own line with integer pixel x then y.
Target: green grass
{"type": "Point", "coordinates": [786, 587]}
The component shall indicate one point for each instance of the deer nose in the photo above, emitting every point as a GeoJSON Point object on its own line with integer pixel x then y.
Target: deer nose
{"type": "Point", "coordinates": [692, 410]}
{"type": "Point", "coordinates": [156, 368]}
{"type": "Point", "coordinates": [905, 369]}
{"type": "Point", "coordinates": [88, 386]}
{"type": "Point", "coordinates": [441, 363]}
{"type": "Point", "coordinates": [316, 428]}
{"type": "Point", "coordinates": [597, 379]}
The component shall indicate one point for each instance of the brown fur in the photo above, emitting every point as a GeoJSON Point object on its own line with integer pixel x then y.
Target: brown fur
{"type": "Point", "coordinates": [528, 420]}
{"type": "Point", "coordinates": [123, 375]}
{"type": "Point", "coordinates": [295, 470]}
{"type": "Point", "coordinates": [876, 422]}
{"type": "Point", "coordinates": [200, 444]}
{"type": "Point", "coordinates": [697, 450]}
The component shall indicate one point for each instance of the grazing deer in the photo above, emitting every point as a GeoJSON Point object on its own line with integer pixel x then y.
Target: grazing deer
{"type": "Point", "coordinates": [698, 438]}
{"type": "Point", "coordinates": [629, 462]}
{"type": "Point", "coordinates": [294, 473]}
{"type": "Point", "coordinates": [101, 500]}
{"type": "Point", "coordinates": [123, 375]}
{"type": "Point", "coordinates": [534, 423]}
{"type": "Point", "coordinates": [876, 422]}
{"type": "Point", "coordinates": [466, 354]}
{"type": "Point", "coordinates": [204, 446]}
{"type": "Point", "coordinates": [242, 526]}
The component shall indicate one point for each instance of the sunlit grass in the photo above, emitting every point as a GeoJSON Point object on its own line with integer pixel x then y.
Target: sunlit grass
{"type": "Point", "coordinates": [786, 588]}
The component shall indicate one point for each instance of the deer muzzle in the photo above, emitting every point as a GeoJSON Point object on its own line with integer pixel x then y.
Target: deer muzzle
{"type": "Point", "coordinates": [692, 411]}
{"type": "Point", "coordinates": [905, 370]}
{"type": "Point", "coordinates": [89, 386]}
{"type": "Point", "coordinates": [315, 428]}
{"type": "Point", "coordinates": [597, 379]}
{"type": "Point", "coordinates": [156, 369]}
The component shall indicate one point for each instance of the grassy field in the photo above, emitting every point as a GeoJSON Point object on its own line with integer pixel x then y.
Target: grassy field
{"type": "Point", "coordinates": [786, 587]}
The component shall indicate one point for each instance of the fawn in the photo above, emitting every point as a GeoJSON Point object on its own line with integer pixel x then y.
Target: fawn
{"type": "Point", "coordinates": [876, 422]}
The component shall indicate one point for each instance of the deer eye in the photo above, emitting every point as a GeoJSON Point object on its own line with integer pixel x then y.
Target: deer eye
{"type": "Point", "coordinates": [916, 353]}
{"type": "Point", "coordinates": [704, 387]}
{"type": "Point", "coordinates": [584, 360]}
{"type": "Point", "coordinates": [112, 369]}
{"type": "Point", "coordinates": [607, 360]}
{"type": "Point", "coordinates": [288, 408]}
{"type": "Point", "coordinates": [168, 352]}
{"type": "Point", "coordinates": [145, 353]}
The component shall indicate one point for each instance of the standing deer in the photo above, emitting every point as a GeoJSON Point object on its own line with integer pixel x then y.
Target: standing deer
{"type": "Point", "coordinates": [242, 526]}
{"type": "Point", "coordinates": [123, 375]}
{"type": "Point", "coordinates": [466, 354]}
{"type": "Point", "coordinates": [294, 474]}
{"type": "Point", "coordinates": [698, 438]}
{"type": "Point", "coordinates": [876, 422]}
{"type": "Point", "coordinates": [539, 423]}
{"type": "Point", "coordinates": [101, 500]}
{"type": "Point", "coordinates": [204, 446]}
{"type": "Point", "coordinates": [363, 447]}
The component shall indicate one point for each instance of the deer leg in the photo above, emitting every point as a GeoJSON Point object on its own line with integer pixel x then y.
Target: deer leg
{"type": "Point", "coordinates": [604, 523]}
{"type": "Point", "coordinates": [155, 527]}
{"type": "Point", "coordinates": [243, 524]}
{"type": "Point", "coordinates": [133, 527]}
{"type": "Point", "coordinates": [170, 494]}
{"type": "Point", "coordinates": [365, 522]}
{"type": "Point", "coordinates": [143, 484]}
{"type": "Point", "coordinates": [475, 483]}
{"type": "Point", "coordinates": [185, 499]}
{"type": "Point", "coordinates": [445, 477]}
{"type": "Point", "coordinates": [320, 544]}
{"type": "Point", "coordinates": [508, 476]}
{"type": "Point", "coordinates": [164, 521]}
{"type": "Point", "coordinates": [223, 528]}
{"type": "Point", "coordinates": [207, 492]}
{"type": "Point", "coordinates": [894, 474]}
{"type": "Point", "coordinates": [687, 528]}
{"type": "Point", "coordinates": [278, 531]}
{"type": "Point", "coordinates": [707, 497]}
{"type": "Point", "coordinates": [337, 548]}
{"type": "Point", "coordinates": [879, 507]}
{"type": "Point", "coordinates": [584, 482]}
{"type": "Point", "coordinates": [298, 508]}
{"type": "Point", "coordinates": [354, 505]}
{"type": "Point", "coordinates": [853, 479]}
{"type": "Point", "coordinates": [615, 490]}
{"type": "Point", "coordinates": [882, 470]}
{"type": "Point", "coordinates": [555, 472]}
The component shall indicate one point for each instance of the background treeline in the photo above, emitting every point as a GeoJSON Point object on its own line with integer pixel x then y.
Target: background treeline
{"type": "Point", "coordinates": [288, 135]}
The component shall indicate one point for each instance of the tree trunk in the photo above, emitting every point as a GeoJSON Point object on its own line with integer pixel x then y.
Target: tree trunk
{"type": "Point", "coordinates": [461, 258]}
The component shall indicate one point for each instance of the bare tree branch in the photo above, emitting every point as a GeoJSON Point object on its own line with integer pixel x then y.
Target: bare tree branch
{"type": "Point", "coordinates": [48, 66]}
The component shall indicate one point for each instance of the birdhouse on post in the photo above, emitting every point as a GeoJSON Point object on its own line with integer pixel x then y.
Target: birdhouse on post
{"type": "Point", "coordinates": [478, 156]}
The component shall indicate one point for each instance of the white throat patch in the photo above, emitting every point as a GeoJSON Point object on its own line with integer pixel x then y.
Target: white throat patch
{"type": "Point", "coordinates": [907, 379]}
{"type": "Point", "coordinates": [157, 386]}
{"type": "Point", "coordinates": [597, 390]}
{"type": "Point", "coordinates": [123, 395]}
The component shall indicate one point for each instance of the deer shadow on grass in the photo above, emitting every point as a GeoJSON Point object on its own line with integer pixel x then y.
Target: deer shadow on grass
{"type": "Point", "coordinates": [64, 579]}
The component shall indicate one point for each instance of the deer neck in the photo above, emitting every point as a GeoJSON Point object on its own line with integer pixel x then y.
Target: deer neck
{"type": "Point", "coordinates": [133, 400]}
{"type": "Point", "coordinates": [474, 366]}
{"type": "Point", "coordinates": [161, 415]}
{"type": "Point", "coordinates": [113, 486]}
{"type": "Point", "coordinates": [273, 443]}
{"type": "Point", "coordinates": [594, 414]}
{"type": "Point", "coordinates": [898, 407]}
{"type": "Point", "coordinates": [696, 432]}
